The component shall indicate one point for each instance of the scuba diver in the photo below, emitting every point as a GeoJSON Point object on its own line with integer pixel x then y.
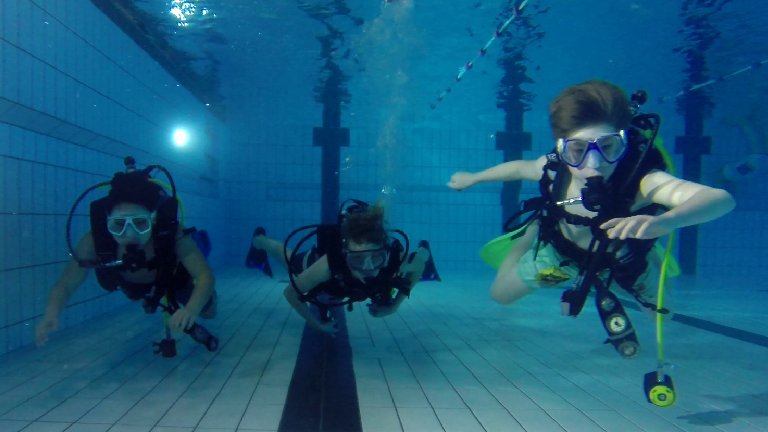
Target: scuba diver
{"type": "Point", "coordinates": [137, 244]}
{"type": "Point", "coordinates": [605, 199]}
{"type": "Point", "coordinates": [354, 260]}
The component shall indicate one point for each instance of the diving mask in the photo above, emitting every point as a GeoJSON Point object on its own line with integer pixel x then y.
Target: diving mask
{"type": "Point", "coordinates": [367, 260]}
{"type": "Point", "coordinates": [575, 151]}
{"type": "Point", "coordinates": [118, 224]}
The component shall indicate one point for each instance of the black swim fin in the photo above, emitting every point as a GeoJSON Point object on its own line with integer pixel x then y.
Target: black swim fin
{"type": "Point", "coordinates": [257, 258]}
{"type": "Point", "coordinates": [430, 271]}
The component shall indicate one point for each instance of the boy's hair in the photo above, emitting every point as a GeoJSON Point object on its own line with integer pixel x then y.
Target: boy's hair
{"type": "Point", "coordinates": [365, 226]}
{"type": "Point", "coordinates": [587, 104]}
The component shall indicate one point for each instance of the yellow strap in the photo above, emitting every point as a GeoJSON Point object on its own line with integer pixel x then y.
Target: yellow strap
{"type": "Point", "coordinates": [178, 198]}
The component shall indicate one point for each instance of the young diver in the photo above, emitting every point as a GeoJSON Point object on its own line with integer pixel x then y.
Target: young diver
{"type": "Point", "coordinates": [355, 260]}
{"type": "Point", "coordinates": [133, 222]}
{"type": "Point", "coordinates": [603, 190]}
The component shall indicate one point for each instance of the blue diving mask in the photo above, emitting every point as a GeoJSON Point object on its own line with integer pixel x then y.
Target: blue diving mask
{"type": "Point", "coordinates": [610, 148]}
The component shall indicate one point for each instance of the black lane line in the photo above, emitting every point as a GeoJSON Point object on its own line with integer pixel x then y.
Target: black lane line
{"type": "Point", "coordinates": [322, 396]}
{"type": "Point", "coordinates": [713, 327]}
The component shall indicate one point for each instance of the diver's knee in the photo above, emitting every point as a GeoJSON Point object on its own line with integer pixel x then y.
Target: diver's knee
{"type": "Point", "coordinates": [508, 287]}
{"type": "Point", "coordinates": [506, 295]}
{"type": "Point", "coordinates": [502, 298]}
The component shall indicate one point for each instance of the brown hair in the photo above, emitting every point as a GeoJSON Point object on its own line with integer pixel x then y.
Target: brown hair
{"type": "Point", "coordinates": [587, 104]}
{"type": "Point", "coordinates": [365, 226]}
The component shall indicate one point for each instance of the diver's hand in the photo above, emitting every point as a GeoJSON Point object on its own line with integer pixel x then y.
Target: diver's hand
{"type": "Point", "coordinates": [379, 311]}
{"type": "Point", "coordinates": [326, 327]}
{"type": "Point", "coordinates": [637, 227]}
{"type": "Point", "coordinates": [49, 324]}
{"type": "Point", "coordinates": [181, 320]}
{"type": "Point", "coordinates": [462, 180]}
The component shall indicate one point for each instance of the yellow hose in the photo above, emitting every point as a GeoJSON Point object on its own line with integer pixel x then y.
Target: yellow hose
{"type": "Point", "coordinates": [658, 143]}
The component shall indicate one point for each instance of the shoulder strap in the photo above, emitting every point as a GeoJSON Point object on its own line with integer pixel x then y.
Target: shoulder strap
{"type": "Point", "coordinates": [329, 244]}
{"type": "Point", "coordinates": [164, 235]}
{"type": "Point", "coordinates": [545, 182]}
{"type": "Point", "coordinates": [165, 230]}
{"type": "Point", "coordinates": [106, 246]}
{"type": "Point", "coordinates": [396, 259]}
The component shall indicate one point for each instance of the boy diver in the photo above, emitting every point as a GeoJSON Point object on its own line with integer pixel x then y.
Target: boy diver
{"type": "Point", "coordinates": [356, 259]}
{"type": "Point", "coordinates": [136, 244]}
{"type": "Point", "coordinates": [605, 199]}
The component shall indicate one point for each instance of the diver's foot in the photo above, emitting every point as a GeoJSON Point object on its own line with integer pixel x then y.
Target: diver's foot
{"type": "Point", "coordinates": [258, 258]}
{"type": "Point", "coordinates": [430, 271]}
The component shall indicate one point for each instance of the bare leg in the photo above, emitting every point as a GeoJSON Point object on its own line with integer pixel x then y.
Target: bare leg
{"type": "Point", "coordinates": [508, 287]}
{"type": "Point", "coordinates": [209, 312]}
{"type": "Point", "coordinates": [422, 253]}
{"type": "Point", "coordinates": [418, 264]}
{"type": "Point", "coordinates": [273, 248]}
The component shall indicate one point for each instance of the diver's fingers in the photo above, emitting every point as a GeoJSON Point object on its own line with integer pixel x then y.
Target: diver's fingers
{"type": "Point", "coordinates": [631, 223]}
{"type": "Point", "coordinates": [615, 230]}
{"type": "Point", "coordinates": [611, 223]}
{"type": "Point", "coordinates": [643, 228]}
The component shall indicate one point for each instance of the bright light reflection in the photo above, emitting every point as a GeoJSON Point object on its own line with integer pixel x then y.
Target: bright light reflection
{"type": "Point", "coordinates": [180, 137]}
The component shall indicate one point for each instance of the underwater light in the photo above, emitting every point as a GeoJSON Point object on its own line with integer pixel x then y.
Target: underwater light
{"type": "Point", "coordinates": [180, 137]}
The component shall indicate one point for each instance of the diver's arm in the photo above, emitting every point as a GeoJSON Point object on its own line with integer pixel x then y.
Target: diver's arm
{"type": "Point", "coordinates": [513, 171]}
{"type": "Point", "coordinates": [72, 277]}
{"type": "Point", "coordinates": [689, 203]}
{"type": "Point", "coordinates": [197, 266]}
{"type": "Point", "coordinates": [316, 274]}
{"type": "Point", "coordinates": [413, 272]}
